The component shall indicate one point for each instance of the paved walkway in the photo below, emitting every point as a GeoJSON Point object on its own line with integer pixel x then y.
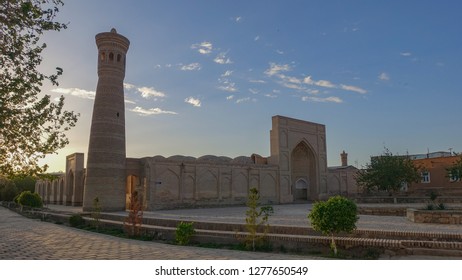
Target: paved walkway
{"type": "Point", "coordinates": [22, 238]}
{"type": "Point", "coordinates": [296, 215]}
{"type": "Point", "coordinates": [26, 239]}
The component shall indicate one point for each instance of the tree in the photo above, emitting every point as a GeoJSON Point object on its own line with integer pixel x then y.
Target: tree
{"type": "Point", "coordinates": [337, 214]}
{"type": "Point", "coordinates": [30, 199]}
{"type": "Point", "coordinates": [31, 124]}
{"type": "Point", "coordinates": [256, 217]}
{"type": "Point", "coordinates": [388, 173]}
{"type": "Point", "coordinates": [455, 171]}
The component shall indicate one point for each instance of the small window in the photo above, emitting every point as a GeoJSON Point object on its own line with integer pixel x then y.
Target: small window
{"type": "Point", "coordinates": [111, 57]}
{"type": "Point", "coordinates": [425, 177]}
{"type": "Point", "coordinates": [119, 57]}
{"type": "Point", "coordinates": [103, 56]}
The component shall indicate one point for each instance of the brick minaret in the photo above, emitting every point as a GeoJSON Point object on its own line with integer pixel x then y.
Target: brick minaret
{"type": "Point", "coordinates": [344, 157]}
{"type": "Point", "coordinates": [105, 175]}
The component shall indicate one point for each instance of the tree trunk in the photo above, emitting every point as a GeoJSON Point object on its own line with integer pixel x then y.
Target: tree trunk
{"type": "Point", "coordinates": [333, 245]}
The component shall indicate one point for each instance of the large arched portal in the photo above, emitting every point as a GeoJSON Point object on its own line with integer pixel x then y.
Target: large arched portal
{"type": "Point", "coordinates": [303, 172]}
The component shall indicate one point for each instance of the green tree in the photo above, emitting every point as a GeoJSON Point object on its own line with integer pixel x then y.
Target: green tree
{"type": "Point", "coordinates": [8, 190]}
{"type": "Point", "coordinates": [337, 214]}
{"type": "Point", "coordinates": [256, 218]}
{"type": "Point", "coordinates": [30, 199]}
{"type": "Point", "coordinates": [31, 124]}
{"type": "Point", "coordinates": [455, 171]}
{"type": "Point", "coordinates": [388, 172]}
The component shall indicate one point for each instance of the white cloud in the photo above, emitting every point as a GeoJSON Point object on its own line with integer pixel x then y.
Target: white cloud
{"type": "Point", "coordinates": [253, 91]}
{"type": "Point", "coordinates": [193, 101]}
{"type": "Point", "coordinates": [280, 52]}
{"type": "Point", "coordinates": [227, 73]}
{"type": "Point", "coordinates": [324, 83]}
{"type": "Point", "coordinates": [203, 48]}
{"type": "Point", "coordinates": [128, 86]}
{"type": "Point", "coordinates": [128, 101]}
{"type": "Point", "coordinates": [269, 95]}
{"type": "Point", "coordinates": [256, 38]}
{"type": "Point", "coordinates": [222, 59]}
{"type": "Point", "coordinates": [327, 84]}
{"type": "Point", "coordinates": [148, 92]}
{"type": "Point", "coordinates": [246, 99]}
{"type": "Point", "coordinates": [313, 91]}
{"type": "Point", "coordinates": [237, 19]}
{"type": "Point", "coordinates": [290, 79]}
{"type": "Point", "coordinates": [293, 86]}
{"type": "Point", "coordinates": [405, 54]}
{"type": "Point", "coordinates": [258, 81]}
{"type": "Point", "coordinates": [308, 80]}
{"type": "Point", "coordinates": [353, 88]}
{"type": "Point", "coordinates": [384, 76]}
{"type": "Point", "coordinates": [152, 111]}
{"type": "Point", "coordinates": [333, 99]}
{"type": "Point", "coordinates": [191, 67]}
{"type": "Point", "coordinates": [277, 68]}
{"type": "Point", "coordinates": [77, 92]}
{"type": "Point", "coordinates": [229, 87]}
{"type": "Point", "coordinates": [230, 97]}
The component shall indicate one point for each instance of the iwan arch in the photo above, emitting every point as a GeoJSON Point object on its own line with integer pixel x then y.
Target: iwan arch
{"type": "Point", "coordinates": [296, 169]}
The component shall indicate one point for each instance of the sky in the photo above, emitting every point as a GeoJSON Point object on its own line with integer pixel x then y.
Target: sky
{"type": "Point", "coordinates": [205, 77]}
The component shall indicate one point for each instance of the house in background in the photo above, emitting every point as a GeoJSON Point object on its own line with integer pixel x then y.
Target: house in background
{"type": "Point", "coordinates": [435, 176]}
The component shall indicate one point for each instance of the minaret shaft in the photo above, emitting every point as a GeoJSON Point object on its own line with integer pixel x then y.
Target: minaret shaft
{"type": "Point", "coordinates": [105, 173]}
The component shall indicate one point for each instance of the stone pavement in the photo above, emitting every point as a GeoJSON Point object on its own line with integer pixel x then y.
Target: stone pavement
{"type": "Point", "coordinates": [22, 238]}
{"type": "Point", "coordinates": [296, 215]}
{"type": "Point", "coordinates": [26, 239]}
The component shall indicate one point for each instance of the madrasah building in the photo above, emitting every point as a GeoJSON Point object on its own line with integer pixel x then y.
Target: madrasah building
{"type": "Point", "coordinates": [295, 171]}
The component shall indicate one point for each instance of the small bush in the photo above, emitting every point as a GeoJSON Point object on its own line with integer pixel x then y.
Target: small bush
{"type": "Point", "coordinates": [29, 199]}
{"type": "Point", "coordinates": [96, 213]}
{"type": "Point", "coordinates": [134, 221]}
{"type": "Point", "coordinates": [337, 214]}
{"type": "Point", "coordinates": [76, 220]}
{"type": "Point", "coordinates": [184, 232]}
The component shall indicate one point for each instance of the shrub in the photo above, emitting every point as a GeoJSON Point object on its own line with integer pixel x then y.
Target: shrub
{"type": "Point", "coordinates": [96, 213]}
{"type": "Point", "coordinates": [338, 214]}
{"type": "Point", "coordinates": [184, 232]}
{"type": "Point", "coordinates": [27, 198]}
{"type": "Point", "coordinates": [76, 220]}
{"type": "Point", "coordinates": [134, 221]}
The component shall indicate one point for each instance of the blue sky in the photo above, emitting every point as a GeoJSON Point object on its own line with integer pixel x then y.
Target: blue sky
{"type": "Point", "coordinates": [205, 77]}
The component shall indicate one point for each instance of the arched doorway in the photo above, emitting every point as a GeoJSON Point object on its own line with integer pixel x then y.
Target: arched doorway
{"type": "Point", "coordinates": [303, 172]}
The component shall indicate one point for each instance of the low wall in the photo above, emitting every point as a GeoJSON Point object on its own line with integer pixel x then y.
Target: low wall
{"type": "Point", "coordinates": [435, 216]}
{"type": "Point", "coordinates": [405, 199]}
{"type": "Point", "coordinates": [382, 211]}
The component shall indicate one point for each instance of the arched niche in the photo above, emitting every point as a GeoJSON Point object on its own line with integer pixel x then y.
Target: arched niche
{"type": "Point", "coordinates": [303, 171]}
